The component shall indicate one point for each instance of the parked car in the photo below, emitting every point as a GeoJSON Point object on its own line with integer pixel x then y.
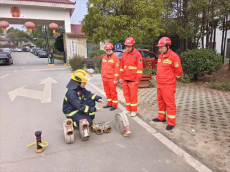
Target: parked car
{"type": "Point", "coordinates": [6, 58]}
{"type": "Point", "coordinates": [31, 50]}
{"type": "Point", "coordinates": [25, 49]}
{"type": "Point", "coordinates": [42, 54]}
{"type": "Point", "coordinates": [14, 50]}
{"type": "Point", "coordinates": [144, 53]}
{"type": "Point", "coordinates": [6, 50]}
{"type": "Point", "coordinates": [36, 52]}
{"type": "Point", "coordinates": [1, 49]}
{"type": "Point", "coordinates": [19, 50]}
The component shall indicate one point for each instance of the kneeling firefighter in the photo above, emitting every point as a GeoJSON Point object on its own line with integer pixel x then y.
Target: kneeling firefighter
{"type": "Point", "coordinates": [79, 103]}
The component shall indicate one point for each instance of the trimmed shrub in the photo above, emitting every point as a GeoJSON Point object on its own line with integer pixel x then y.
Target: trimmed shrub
{"type": "Point", "coordinates": [97, 53]}
{"type": "Point", "coordinates": [77, 62]}
{"type": "Point", "coordinates": [198, 62]}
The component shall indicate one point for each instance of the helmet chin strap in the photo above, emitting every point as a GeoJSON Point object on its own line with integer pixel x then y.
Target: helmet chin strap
{"type": "Point", "coordinates": [167, 49]}
{"type": "Point", "coordinates": [132, 49]}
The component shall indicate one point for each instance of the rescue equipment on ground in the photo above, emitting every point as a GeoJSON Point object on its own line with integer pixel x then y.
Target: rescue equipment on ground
{"type": "Point", "coordinates": [84, 129]}
{"type": "Point", "coordinates": [101, 127]}
{"type": "Point", "coordinates": [39, 143]}
{"type": "Point", "coordinates": [122, 124]}
{"type": "Point", "coordinates": [68, 131]}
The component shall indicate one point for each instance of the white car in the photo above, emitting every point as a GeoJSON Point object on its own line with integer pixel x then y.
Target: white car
{"type": "Point", "coordinates": [19, 50]}
{"type": "Point", "coordinates": [6, 50]}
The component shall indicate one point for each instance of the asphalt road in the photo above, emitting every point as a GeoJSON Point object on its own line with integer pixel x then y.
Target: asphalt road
{"type": "Point", "coordinates": [20, 118]}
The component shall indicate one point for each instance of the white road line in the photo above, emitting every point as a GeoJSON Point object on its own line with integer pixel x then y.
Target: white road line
{"type": "Point", "coordinates": [28, 59]}
{"type": "Point", "coordinates": [5, 76]}
{"type": "Point", "coordinates": [42, 69]}
{"type": "Point", "coordinates": [172, 146]}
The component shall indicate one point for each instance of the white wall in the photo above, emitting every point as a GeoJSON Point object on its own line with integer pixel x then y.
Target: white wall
{"type": "Point", "coordinates": [218, 40]}
{"type": "Point", "coordinates": [37, 14]}
{"type": "Point", "coordinates": [75, 46]}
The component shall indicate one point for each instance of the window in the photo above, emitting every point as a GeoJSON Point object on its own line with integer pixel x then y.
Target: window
{"type": "Point", "coordinates": [148, 54]}
{"type": "Point", "coordinates": [118, 53]}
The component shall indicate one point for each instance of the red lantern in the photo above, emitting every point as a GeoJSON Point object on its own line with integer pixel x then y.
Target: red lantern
{"type": "Point", "coordinates": [30, 26]}
{"type": "Point", "coordinates": [4, 25]}
{"type": "Point", "coordinates": [53, 26]}
{"type": "Point", "coordinates": [7, 43]}
{"type": "Point", "coordinates": [13, 43]}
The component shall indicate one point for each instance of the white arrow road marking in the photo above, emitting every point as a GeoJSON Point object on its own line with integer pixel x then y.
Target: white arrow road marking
{"type": "Point", "coordinates": [5, 76]}
{"type": "Point", "coordinates": [44, 96]}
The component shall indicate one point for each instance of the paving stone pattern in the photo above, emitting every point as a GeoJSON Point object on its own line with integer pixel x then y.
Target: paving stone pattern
{"type": "Point", "coordinates": [202, 122]}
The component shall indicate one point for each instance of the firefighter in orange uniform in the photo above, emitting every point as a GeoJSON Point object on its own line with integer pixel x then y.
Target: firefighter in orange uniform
{"type": "Point", "coordinates": [110, 75]}
{"type": "Point", "coordinates": [131, 69]}
{"type": "Point", "coordinates": [169, 71]}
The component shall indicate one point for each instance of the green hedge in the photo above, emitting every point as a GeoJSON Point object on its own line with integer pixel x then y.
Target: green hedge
{"type": "Point", "coordinates": [199, 62]}
{"type": "Point", "coordinates": [97, 53]}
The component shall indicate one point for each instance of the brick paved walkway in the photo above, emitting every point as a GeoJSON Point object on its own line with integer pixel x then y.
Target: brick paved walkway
{"type": "Point", "coordinates": [203, 121]}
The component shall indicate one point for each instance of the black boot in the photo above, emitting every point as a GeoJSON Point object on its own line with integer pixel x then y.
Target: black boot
{"type": "Point", "coordinates": [112, 108]}
{"type": "Point", "coordinates": [169, 127]}
{"type": "Point", "coordinates": [157, 120]}
{"type": "Point", "coordinates": [106, 106]}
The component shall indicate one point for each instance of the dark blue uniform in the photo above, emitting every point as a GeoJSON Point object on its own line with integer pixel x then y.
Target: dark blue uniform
{"type": "Point", "coordinates": [80, 104]}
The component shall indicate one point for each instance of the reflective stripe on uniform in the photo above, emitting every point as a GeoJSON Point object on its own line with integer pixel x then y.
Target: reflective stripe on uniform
{"type": "Point", "coordinates": [121, 70]}
{"type": "Point", "coordinates": [72, 113]}
{"type": "Point", "coordinates": [104, 60]}
{"type": "Point", "coordinates": [86, 108]}
{"type": "Point", "coordinates": [93, 97]}
{"type": "Point", "coordinates": [133, 104]}
{"type": "Point", "coordinates": [93, 113]}
{"type": "Point", "coordinates": [139, 71]}
{"type": "Point", "coordinates": [132, 67]}
{"type": "Point", "coordinates": [162, 112]}
{"type": "Point", "coordinates": [125, 67]}
{"type": "Point", "coordinates": [75, 124]}
{"type": "Point", "coordinates": [159, 60]}
{"type": "Point", "coordinates": [109, 100]}
{"type": "Point", "coordinates": [127, 103]}
{"type": "Point", "coordinates": [79, 98]}
{"type": "Point", "coordinates": [111, 61]}
{"type": "Point", "coordinates": [177, 76]}
{"type": "Point", "coordinates": [167, 61]}
{"type": "Point", "coordinates": [116, 74]}
{"type": "Point", "coordinates": [172, 116]}
{"type": "Point", "coordinates": [66, 98]}
{"type": "Point", "coordinates": [114, 101]}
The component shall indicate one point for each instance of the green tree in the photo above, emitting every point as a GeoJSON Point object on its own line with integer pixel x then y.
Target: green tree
{"type": "Point", "coordinates": [59, 43]}
{"type": "Point", "coordinates": [12, 29]}
{"type": "Point", "coordinates": [23, 36]}
{"type": "Point", "coordinates": [1, 31]}
{"type": "Point", "coordinates": [12, 36]}
{"type": "Point", "coordinates": [117, 20]}
{"type": "Point", "coordinates": [39, 42]}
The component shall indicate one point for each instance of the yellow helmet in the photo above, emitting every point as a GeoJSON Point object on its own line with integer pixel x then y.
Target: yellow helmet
{"type": "Point", "coordinates": [80, 76]}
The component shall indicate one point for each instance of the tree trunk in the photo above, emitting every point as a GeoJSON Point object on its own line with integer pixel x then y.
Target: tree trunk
{"type": "Point", "coordinates": [225, 37]}
{"type": "Point", "coordinates": [222, 42]}
{"type": "Point", "coordinates": [214, 39]}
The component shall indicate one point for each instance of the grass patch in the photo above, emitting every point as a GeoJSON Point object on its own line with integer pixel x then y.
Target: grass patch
{"type": "Point", "coordinates": [59, 57]}
{"type": "Point", "coordinates": [219, 80]}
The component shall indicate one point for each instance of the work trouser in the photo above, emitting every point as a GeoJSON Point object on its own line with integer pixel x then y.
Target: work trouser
{"type": "Point", "coordinates": [81, 115]}
{"type": "Point", "coordinates": [111, 93]}
{"type": "Point", "coordinates": [130, 90]}
{"type": "Point", "coordinates": [166, 103]}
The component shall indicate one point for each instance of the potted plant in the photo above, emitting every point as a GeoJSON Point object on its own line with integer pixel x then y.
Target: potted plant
{"type": "Point", "coordinates": [147, 74]}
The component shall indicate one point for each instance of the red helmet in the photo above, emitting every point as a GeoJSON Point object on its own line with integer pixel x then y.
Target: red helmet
{"type": "Point", "coordinates": [108, 46]}
{"type": "Point", "coordinates": [164, 41]}
{"type": "Point", "coordinates": [130, 41]}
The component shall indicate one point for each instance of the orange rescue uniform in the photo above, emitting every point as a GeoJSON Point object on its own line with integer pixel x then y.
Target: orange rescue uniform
{"type": "Point", "coordinates": [131, 69]}
{"type": "Point", "coordinates": [110, 73]}
{"type": "Point", "coordinates": [169, 71]}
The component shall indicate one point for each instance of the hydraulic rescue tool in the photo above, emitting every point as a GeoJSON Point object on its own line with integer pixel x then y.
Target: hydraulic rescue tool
{"type": "Point", "coordinates": [101, 127]}
{"type": "Point", "coordinates": [68, 131]}
{"type": "Point", "coordinates": [84, 129]}
{"type": "Point", "coordinates": [122, 124]}
{"type": "Point", "coordinates": [39, 143]}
